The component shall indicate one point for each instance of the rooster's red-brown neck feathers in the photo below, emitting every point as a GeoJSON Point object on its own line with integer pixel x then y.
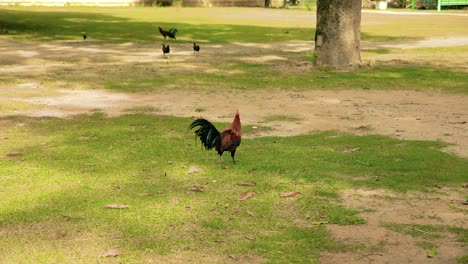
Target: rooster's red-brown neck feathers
{"type": "Point", "coordinates": [236, 123]}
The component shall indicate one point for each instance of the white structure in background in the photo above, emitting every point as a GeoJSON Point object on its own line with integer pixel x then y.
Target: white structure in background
{"type": "Point", "coordinates": [70, 2]}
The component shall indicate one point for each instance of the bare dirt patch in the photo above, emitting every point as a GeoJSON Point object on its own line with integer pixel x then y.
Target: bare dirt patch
{"type": "Point", "coordinates": [203, 257]}
{"type": "Point", "coordinates": [378, 244]}
{"type": "Point", "coordinates": [433, 43]}
{"type": "Point", "coordinates": [400, 114]}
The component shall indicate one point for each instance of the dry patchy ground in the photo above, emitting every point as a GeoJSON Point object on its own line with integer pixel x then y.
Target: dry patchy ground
{"type": "Point", "coordinates": [400, 114]}
{"type": "Point", "coordinates": [381, 245]}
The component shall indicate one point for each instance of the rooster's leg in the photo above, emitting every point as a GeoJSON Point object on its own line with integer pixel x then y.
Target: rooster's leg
{"type": "Point", "coordinates": [232, 156]}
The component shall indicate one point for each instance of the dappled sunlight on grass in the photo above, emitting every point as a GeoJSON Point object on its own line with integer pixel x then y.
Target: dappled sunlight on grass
{"type": "Point", "coordinates": [57, 175]}
{"type": "Point", "coordinates": [71, 168]}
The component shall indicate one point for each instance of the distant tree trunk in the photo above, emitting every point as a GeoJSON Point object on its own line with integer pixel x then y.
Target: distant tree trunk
{"type": "Point", "coordinates": [267, 3]}
{"type": "Point", "coordinates": [337, 37]}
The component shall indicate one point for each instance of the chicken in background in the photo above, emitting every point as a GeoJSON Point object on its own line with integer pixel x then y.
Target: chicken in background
{"type": "Point", "coordinates": [166, 50]}
{"type": "Point", "coordinates": [168, 33]}
{"type": "Point", "coordinates": [228, 140]}
{"type": "Point", "coordinates": [196, 47]}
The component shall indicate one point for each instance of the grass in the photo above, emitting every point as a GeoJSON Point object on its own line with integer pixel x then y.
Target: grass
{"type": "Point", "coordinates": [141, 25]}
{"type": "Point", "coordinates": [382, 78]}
{"type": "Point", "coordinates": [218, 25]}
{"type": "Point", "coordinates": [281, 118]}
{"type": "Point", "coordinates": [414, 69]}
{"type": "Point", "coordinates": [151, 77]}
{"type": "Point", "coordinates": [463, 259]}
{"type": "Point", "coordinates": [429, 232]}
{"type": "Point", "coordinates": [13, 105]}
{"type": "Point", "coordinates": [53, 195]}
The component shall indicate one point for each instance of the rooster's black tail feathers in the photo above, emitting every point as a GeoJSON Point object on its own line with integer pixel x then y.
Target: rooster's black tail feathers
{"type": "Point", "coordinates": [207, 132]}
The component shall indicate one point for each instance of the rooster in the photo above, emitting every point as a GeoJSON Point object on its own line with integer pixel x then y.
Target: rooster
{"type": "Point", "coordinates": [196, 47]}
{"type": "Point", "coordinates": [166, 50]}
{"type": "Point", "coordinates": [228, 140]}
{"type": "Point", "coordinates": [168, 33]}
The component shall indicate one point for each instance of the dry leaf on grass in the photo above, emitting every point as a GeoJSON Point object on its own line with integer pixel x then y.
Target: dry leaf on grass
{"type": "Point", "coordinates": [320, 222]}
{"type": "Point", "coordinates": [197, 188]}
{"type": "Point", "coordinates": [14, 154]}
{"type": "Point", "coordinates": [60, 235]}
{"type": "Point", "coordinates": [301, 223]}
{"type": "Point", "coordinates": [250, 213]}
{"type": "Point", "coordinates": [194, 170]}
{"type": "Point", "coordinates": [146, 194]}
{"type": "Point", "coordinates": [115, 206]}
{"type": "Point", "coordinates": [246, 183]}
{"type": "Point", "coordinates": [290, 194]}
{"type": "Point", "coordinates": [113, 252]}
{"type": "Point", "coordinates": [175, 200]}
{"type": "Point", "coordinates": [246, 195]}
{"type": "Point", "coordinates": [349, 150]}
{"type": "Point", "coordinates": [249, 238]}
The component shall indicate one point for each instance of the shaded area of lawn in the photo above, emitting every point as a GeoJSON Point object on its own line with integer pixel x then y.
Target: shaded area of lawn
{"type": "Point", "coordinates": [105, 69]}
{"type": "Point", "coordinates": [141, 25]}
{"type": "Point", "coordinates": [50, 26]}
{"type": "Point", "coordinates": [53, 195]}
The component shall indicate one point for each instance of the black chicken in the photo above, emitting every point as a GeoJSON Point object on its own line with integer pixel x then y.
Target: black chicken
{"type": "Point", "coordinates": [168, 33]}
{"type": "Point", "coordinates": [166, 49]}
{"type": "Point", "coordinates": [196, 47]}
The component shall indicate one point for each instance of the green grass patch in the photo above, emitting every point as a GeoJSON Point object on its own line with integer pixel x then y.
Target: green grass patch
{"type": "Point", "coordinates": [71, 168]}
{"type": "Point", "coordinates": [231, 25]}
{"type": "Point", "coordinates": [429, 232]}
{"type": "Point", "coordinates": [53, 195]}
{"type": "Point", "coordinates": [281, 118]}
{"type": "Point", "coordinates": [463, 259]}
{"type": "Point", "coordinates": [13, 105]}
{"type": "Point", "coordinates": [382, 78]}
{"type": "Point", "coordinates": [139, 24]}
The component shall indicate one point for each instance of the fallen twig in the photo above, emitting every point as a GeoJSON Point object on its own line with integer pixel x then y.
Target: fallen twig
{"type": "Point", "coordinates": [422, 231]}
{"type": "Point", "coordinates": [362, 162]}
{"type": "Point", "coordinates": [371, 254]}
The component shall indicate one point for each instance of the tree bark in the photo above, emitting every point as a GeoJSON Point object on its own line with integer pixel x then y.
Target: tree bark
{"type": "Point", "coordinates": [338, 33]}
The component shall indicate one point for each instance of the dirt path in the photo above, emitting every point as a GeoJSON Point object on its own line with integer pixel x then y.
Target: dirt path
{"type": "Point", "coordinates": [379, 244]}
{"type": "Point", "coordinates": [400, 114]}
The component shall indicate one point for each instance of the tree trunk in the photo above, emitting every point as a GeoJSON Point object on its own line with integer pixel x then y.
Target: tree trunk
{"type": "Point", "coordinates": [337, 38]}
{"type": "Point", "coordinates": [267, 3]}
